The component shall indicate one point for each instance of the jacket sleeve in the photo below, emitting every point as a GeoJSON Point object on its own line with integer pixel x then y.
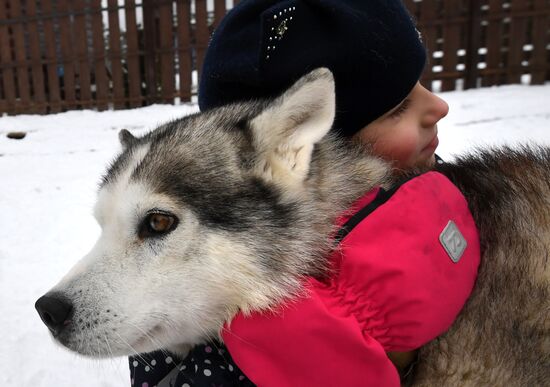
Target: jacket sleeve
{"type": "Point", "coordinates": [305, 344]}
{"type": "Point", "coordinates": [395, 287]}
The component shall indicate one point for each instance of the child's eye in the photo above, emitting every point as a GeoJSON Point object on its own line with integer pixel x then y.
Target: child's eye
{"type": "Point", "coordinates": [402, 108]}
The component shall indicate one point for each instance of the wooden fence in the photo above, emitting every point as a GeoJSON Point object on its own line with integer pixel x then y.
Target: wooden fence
{"type": "Point", "coordinates": [57, 55]}
{"type": "Point", "coordinates": [475, 43]}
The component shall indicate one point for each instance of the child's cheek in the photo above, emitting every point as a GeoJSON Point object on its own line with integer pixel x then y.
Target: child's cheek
{"type": "Point", "coordinates": [402, 150]}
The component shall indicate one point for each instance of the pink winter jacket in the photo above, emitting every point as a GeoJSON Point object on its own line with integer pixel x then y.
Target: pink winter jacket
{"type": "Point", "coordinates": [402, 274]}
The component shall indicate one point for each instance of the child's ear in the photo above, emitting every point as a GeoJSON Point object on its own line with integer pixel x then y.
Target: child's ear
{"type": "Point", "coordinates": [126, 138]}
{"type": "Point", "coordinates": [286, 132]}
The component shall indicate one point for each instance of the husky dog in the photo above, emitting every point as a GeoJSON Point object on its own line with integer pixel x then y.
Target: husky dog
{"type": "Point", "coordinates": [229, 210]}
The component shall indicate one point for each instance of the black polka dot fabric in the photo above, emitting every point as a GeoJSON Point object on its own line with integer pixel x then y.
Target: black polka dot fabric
{"type": "Point", "coordinates": [205, 365]}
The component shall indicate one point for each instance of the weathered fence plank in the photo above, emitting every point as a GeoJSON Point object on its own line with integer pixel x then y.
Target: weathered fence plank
{"type": "Point", "coordinates": [517, 38]}
{"type": "Point", "coordinates": [473, 44]}
{"type": "Point", "coordinates": [39, 93]}
{"type": "Point", "coordinates": [451, 41]}
{"type": "Point", "coordinates": [100, 69]}
{"type": "Point", "coordinates": [23, 85]}
{"type": "Point", "coordinates": [149, 36]}
{"type": "Point", "coordinates": [67, 63]}
{"type": "Point", "coordinates": [201, 33]}
{"type": "Point", "coordinates": [493, 43]}
{"type": "Point", "coordinates": [428, 13]}
{"type": "Point", "coordinates": [540, 42]}
{"type": "Point", "coordinates": [166, 52]}
{"type": "Point", "coordinates": [184, 49]}
{"type": "Point", "coordinates": [53, 92]}
{"type": "Point", "coordinates": [8, 80]}
{"type": "Point", "coordinates": [115, 55]}
{"type": "Point", "coordinates": [132, 55]}
{"type": "Point", "coordinates": [219, 12]}
{"type": "Point", "coordinates": [81, 43]}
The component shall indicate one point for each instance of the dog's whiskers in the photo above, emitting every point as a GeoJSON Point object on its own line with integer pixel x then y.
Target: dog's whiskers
{"type": "Point", "coordinates": [98, 348]}
{"type": "Point", "coordinates": [151, 338]}
{"type": "Point", "coordinates": [136, 353]}
{"type": "Point", "coordinates": [108, 345]}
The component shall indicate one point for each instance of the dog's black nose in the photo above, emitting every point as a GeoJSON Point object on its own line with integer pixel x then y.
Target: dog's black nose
{"type": "Point", "coordinates": [54, 312]}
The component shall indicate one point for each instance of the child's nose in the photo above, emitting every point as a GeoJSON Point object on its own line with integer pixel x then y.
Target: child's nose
{"type": "Point", "coordinates": [437, 108]}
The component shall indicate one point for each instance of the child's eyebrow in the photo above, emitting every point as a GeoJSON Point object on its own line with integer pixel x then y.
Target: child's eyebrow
{"type": "Point", "coordinates": [405, 100]}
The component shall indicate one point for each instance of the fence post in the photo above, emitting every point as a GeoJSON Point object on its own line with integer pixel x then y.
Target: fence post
{"type": "Point", "coordinates": [81, 42]}
{"type": "Point", "coordinates": [53, 93]}
{"type": "Point", "coordinates": [65, 35]}
{"type": "Point", "coordinates": [36, 58]}
{"type": "Point", "coordinates": [539, 40]}
{"type": "Point", "coordinates": [474, 38]}
{"type": "Point", "coordinates": [115, 54]}
{"type": "Point", "coordinates": [166, 52]}
{"type": "Point", "coordinates": [494, 45]}
{"type": "Point", "coordinates": [100, 69]}
{"type": "Point", "coordinates": [451, 43]}
{"type": "Point", "coordinates": [219, 12]}
{"type": "Point", "coordinates": [428, 14]}
{"type": "Point", "coordinates": [184, 49]}
{"type": "Point", "coordinates": [202, 34]}
{"type": "Point", "coordinates": [150, 38]}
{"type": "Point", "coordinates": [132, 54]}
{"type": "Point", "coordinates": [7, 62]}
{"type": "Point", "coordinates": [518, 34]}
{"type": "Point", "coordinates": [21, 57]}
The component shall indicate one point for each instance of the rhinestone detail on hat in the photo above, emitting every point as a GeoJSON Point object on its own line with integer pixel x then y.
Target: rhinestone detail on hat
{"type": "Point", "coordinates": [278, 31]}
{"type": "Point", "coordinates": [419, 34]}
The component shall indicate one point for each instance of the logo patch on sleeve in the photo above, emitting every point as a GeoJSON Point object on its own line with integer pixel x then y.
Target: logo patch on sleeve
{"type": "Point", "coordinates": [453, 241]}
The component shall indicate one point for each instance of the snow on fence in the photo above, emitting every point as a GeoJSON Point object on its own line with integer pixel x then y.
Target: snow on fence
{"type": "Point", "coordinates": [58, 55]}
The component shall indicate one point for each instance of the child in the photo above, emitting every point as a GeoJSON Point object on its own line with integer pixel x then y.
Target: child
{"type": "Point", "coordinates": [376, 55]}
{"type": "Point", "coordinates": [407, 134]}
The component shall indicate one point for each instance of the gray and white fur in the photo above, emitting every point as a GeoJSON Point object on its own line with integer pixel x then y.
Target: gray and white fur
{"type": "Point", "coordinates": [252, 191]}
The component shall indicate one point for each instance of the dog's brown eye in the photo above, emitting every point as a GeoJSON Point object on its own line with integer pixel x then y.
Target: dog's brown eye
{"type": "Point", "coordinates": [157, 224]}
{"type": "Point", "coordinates": [160, 222]}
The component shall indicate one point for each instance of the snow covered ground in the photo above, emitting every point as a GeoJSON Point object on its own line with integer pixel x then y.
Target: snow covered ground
{"type": "Point", "coordinates": [48, 184]}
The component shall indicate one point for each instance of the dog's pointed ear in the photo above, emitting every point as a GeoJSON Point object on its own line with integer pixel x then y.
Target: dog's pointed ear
{"type": "Point", "coordinates": [126, 138]}
{"type": "Point", "coordinates": [286, 131]}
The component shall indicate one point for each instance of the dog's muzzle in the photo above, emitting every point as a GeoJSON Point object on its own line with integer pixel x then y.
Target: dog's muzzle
{"type": "Point", "coordinates": [55, 311]}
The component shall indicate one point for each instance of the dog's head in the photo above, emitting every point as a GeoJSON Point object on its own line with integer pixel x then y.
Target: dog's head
{"type": "Point", "coordinates": [200, 218]}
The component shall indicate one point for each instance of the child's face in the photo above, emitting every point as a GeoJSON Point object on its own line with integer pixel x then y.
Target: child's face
{"type": "Point", "coordinates": [407, 134]}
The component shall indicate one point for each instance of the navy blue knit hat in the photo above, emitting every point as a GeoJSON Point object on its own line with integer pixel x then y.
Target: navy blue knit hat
{"type": "Point", "coordinates": [262, 47]}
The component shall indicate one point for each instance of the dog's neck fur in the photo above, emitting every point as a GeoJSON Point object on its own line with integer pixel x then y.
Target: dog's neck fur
{"type": "Point", "coordinates": [341, 172]}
